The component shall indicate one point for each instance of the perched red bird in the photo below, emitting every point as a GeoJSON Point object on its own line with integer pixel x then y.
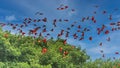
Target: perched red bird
{"type": "Point", "coordinates": [44, 50]}
{"type": "Point", "coordinates": [65, 53]}
{"type": "Point", "coordinates": [65, 41]}
{"type": "Point", "coordinates": [60, 49]}
{"type": "Point", "coordinates": [44, 40]}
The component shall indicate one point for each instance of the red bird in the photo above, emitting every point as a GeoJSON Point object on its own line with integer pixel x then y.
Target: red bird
{"type": "Point", "coordinates": [68, 28]}
{"type": "Point", "coordinates": [38, 20]}
{"type": "Point", "coordinates": [44, 20]}
{"type": "Point", "coordinates": [103, 55]}
{"type": "Point", "coordinates": [67, 34]}
{"type": "Point", "coordinates": [100, 44]}
{"type": "Point", "coordinates": [94, 12]}
{"type": "Point", "coordinates": [44, 30]}
{"type": "Point", "coordinates": [112, 24]}
{"type": "Point", "coordinates": [99, 30]}
{"type": "Point", "coordinates": [94, 21]}
{"type": "Point", "coordinates": [65, 41]}
{"type": "Point", "coordinates": [114, 58]}
{"type": "Point", "coordinates": [66, 20]}
{"type": "Point", "coordinates": [96, 6]}
{"type": "Point", "coordinates": [118, 28]}
{"type": "Point", "coordinates": [108, 39]}
{"type": "Point", "coordinates": [62, 31]}
{"type": "Point", "coordinates": [107, 32]}
{"type": "Point", "coordinates": [104, 12]}
{"type": "Point", "coordinates": [58, 35]}
{"type": "Point", "coordinates": [21, 26]}
{"type": "Point", "coordinates": [78, 30]}
{"type": "Point", "coordinates": [118, 23]}
{"type": "Point", "coordinates": [60, 20]}
{"type": "Point", "coordinates": [73, 10]}
{"type": "Point", "coordinates": [83, 19]}
{"type": "Point", "coordinates": [23, 33]}
{"type": "Point", "coordinates": [52, 30]}
{"type": "Point", "coordinates": [87, 18]}
{"type": "Point", "coordinates": [14, 27]}
{"type": "Point", "coordinates": [34, 20]}
{"type": "Point", "coordinates": [54, 22]}
{"type": "Point", "coordinates": [92, 18]}
{"type": "Point", "coordinates": [82, 33]}
{"type": "Point", "coordinates": [79, 26]}
{"type": "Point", "coordinates": [60, 49]}
{"type": "Point", "coordinates": [101, 51]}
{"type": "Point", "coordinates": [103, 27]}
{"type": "Point", "coordinates": [90, 38]}
{"type": "Point", "coordinates": [62, 7]}
{"type": "Point", "coordinates": [40, 34]}
{"type": "Point", "coordinates": [65, 53]}
{"type": "Point", "coordinates": [116, 52]}
{"type": "Point", "coordinates": [33, 31]}
{"type": "Point", "coordinates": [114, 29]}
{"type": "Point", "coordinates": [44, 40]}
{"type": "Point", "coordinates": [72, 25]}
{"type": "Point", "coordinates": [44, 50]}
{"type": "Point", "coordinates": [110, 17]}
{"type": "Point", "coordinates": [66, 7]}
{"type": "Point", "coordinates": [81, 38]}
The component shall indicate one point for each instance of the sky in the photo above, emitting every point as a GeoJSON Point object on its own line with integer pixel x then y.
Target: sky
{"type": "Point", "coordinates": [14, 11]}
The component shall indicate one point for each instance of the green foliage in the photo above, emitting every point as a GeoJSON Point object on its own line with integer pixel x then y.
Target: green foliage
{"type": "Point", "coordinates": [18, 51]}
{"type": "Point", "coordinates": [2, 65]}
